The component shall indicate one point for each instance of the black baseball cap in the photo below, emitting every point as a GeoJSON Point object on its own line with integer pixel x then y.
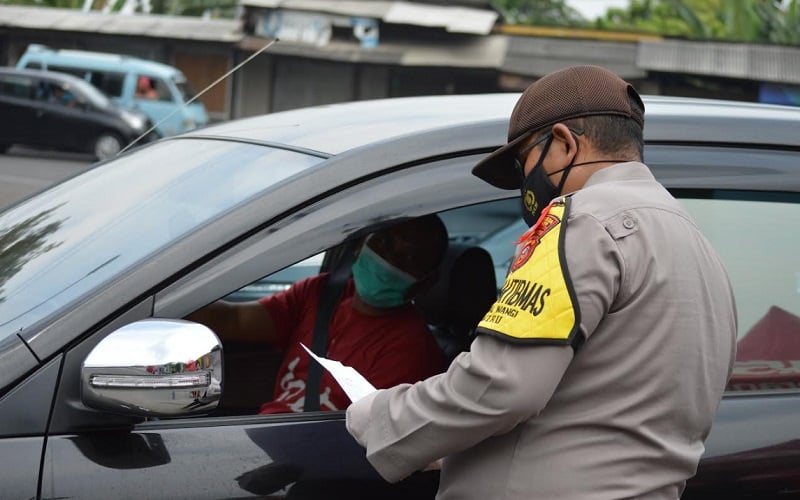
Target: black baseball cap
{"type": "Point", "coordinates": [572, 92]}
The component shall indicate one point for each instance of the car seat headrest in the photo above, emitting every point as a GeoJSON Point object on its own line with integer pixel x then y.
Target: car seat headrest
{"type": "Point", "coordinates": [464, 290]}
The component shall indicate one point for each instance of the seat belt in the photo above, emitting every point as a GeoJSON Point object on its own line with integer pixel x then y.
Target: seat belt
{"type": "Point", "coordinates": [329, 297]}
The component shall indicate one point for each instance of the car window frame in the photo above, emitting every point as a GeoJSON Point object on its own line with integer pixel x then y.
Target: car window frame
{"type": "Point", "coordinates": [193, 289]}
{"type": "Point", "coordinates": [175, 299]}
{"type": "Point", "coordinates": [778, 387]}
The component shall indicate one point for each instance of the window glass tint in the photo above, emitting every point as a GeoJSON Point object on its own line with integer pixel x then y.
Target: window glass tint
{"type": "Point", "coordinates": [16, 86]}
{"type": "Point", "coordinates": [495, 226]}
{"type": "Point", "coordinates": [93, 228]}
{"type": "Point", "coordinates": [89, 92]}
{"type": "Point", "coordinates": [33, 65]}
{"type": "Point", "coordinates": [152, 88]}
{"type": "Point", "coordinates": [186, 90]}
{"type": "Point", "coordinates": [279, 281]}
{"type": "Point", "coordinates": [162, 89]}
{"type": "Point", "coordinates": [80, 73]}
{"type": "Point", "coordinates": [756, 236]}
{"type": "Point", "coordinates": [109, 83]}
{"type": "Point", "coordinates": [55, 93]}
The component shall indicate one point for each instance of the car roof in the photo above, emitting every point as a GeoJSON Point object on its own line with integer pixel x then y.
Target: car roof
{"type": "Point", "coordinates": [410, 135]}
{"type": "Point", "coordinates": [98, 60]}
{"type": "Point", "coordinates": [47, 75]}
{"type": "Point", "coordinates": [336, 128]}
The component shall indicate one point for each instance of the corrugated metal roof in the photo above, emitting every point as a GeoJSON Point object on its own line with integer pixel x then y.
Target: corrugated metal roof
{"type": "Point", "coordinates": [535, 57]}
{"type": "Point", "coordinates": [157, 26]}
{"type": "Point", "coordinates": [769, 63]}
{"type": "Point", "coordinates": [375, 9]}
{"type": "Point", "coordinates": [478, 4]}
{"type": "Point", "coordinates": [347, 6]}
{"type": "Point", "coordinates": [477, 52]}
{"type": "Point", "coordinates": [527, 56]}
{"type": "Point", "coordinates": [455, 19]}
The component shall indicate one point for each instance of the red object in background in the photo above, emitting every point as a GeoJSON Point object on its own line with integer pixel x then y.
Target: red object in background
{"type": "Point", "coordinates": [768, 356]}
{"type": "Point", "coordinates": [775, 336]}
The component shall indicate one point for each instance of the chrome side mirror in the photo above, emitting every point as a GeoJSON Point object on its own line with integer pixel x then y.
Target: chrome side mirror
{"type": "Point", "coordinates": [154, 367]}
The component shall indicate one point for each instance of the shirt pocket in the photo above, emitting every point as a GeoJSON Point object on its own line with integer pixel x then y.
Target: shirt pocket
{"type": "Point", "coordinates": [622, 225]}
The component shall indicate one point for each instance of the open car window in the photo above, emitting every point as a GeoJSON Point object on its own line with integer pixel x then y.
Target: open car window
{"type": "Point", "coordinates": [483, 238]}
{"type": "Point", "coordinates": [279, 281]}
{"type": "Point", "coordinates": [494, 226]}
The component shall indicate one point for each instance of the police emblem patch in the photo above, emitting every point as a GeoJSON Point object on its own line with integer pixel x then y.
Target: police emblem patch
{"type": "Point", "coordinates": [530, 240]}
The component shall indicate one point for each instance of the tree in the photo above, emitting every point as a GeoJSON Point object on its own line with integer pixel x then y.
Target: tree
{"type": "Point", "coordinates": [765, 21]}
{"type": "Point", "coordinates": [784, 28]}
{"type": "Point", "coordinates": [539, 13]}
{"type": "Point", "coordinates": [65, 4]}
{"type": "Point", "coordinates": [214, 8]}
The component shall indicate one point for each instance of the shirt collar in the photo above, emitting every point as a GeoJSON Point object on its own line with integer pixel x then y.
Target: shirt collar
{"type": "Point", "coordinates": [630, 170]}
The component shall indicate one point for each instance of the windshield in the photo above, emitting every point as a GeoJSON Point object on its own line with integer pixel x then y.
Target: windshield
{"type": "Point", "coordinates": [184, 88]}
{"type": "Point", "coordinates": [92, 94]}
{"type": "Point", "coordinates": [66, 242]}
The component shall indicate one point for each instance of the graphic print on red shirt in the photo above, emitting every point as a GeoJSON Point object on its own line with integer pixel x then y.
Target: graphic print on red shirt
{"type": "Point", "coordinates": [388, 350]}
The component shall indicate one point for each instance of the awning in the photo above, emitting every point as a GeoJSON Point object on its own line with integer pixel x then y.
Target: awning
{"type": "Point", "coordinates": [474, 52]}
{"type": "Point", "coordinates": [455, 19]}
{"type": "Point", "coordinates": [771, 63]}
{"type": "Point", "coordinates": [152, 25]}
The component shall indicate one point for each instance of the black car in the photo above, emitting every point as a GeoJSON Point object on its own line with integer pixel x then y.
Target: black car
{"type": "Point", "coordinates": [106, 392]}
{"type": "Point", "coordinates": [60, 111]}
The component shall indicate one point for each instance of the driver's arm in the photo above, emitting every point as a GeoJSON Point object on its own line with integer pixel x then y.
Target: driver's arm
{"type": "Point", "coordinates": [237, 321]}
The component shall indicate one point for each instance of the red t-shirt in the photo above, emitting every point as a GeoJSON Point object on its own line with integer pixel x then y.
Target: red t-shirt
{"type": "Point", "coordinates": [387, 350]}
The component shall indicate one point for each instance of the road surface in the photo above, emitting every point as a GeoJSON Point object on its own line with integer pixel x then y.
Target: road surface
{"type": "Point", "coordinates": [26, 171]}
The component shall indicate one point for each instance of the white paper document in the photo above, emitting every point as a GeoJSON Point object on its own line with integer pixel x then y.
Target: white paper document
{"type": "Point", "coordinates": [353, 383]}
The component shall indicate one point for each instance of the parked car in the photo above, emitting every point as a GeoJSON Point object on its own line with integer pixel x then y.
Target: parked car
{"type": "Point", "coordinates": [106, 391]}
{"type": "Point", "coordinates": [158, 90]}
{"type": "Point", "coordinates": [59, 111]}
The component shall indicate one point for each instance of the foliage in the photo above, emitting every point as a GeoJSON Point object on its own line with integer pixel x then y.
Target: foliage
{"type": "Point", "coordinates": [759, 21]}
{"type": "Point", "coordinates": [24, 241]}
{"type": "Point", "coordinates": [214, 8]}
{"type": "Point", "coordinates": [217, 8]}
{"type": "Point", "coordinates": [539, 13]}
{"type": "Point", "coordinates": [785, 29]}
{"type": "Point", "coordinates": [66, 4]}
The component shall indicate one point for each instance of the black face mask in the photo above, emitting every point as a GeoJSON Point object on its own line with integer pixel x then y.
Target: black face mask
{"type": "Point", "coordinates": [537, 189]}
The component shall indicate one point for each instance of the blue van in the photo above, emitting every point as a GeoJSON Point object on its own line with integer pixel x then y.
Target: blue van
{"type": "Point", "coordinates": [155, 89]}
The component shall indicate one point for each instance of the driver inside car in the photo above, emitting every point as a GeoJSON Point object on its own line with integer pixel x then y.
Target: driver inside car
{"type": "Point", "coordinates": [374, 327]}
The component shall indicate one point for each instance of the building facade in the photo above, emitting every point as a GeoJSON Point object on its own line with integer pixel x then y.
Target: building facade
{"type": "Point", "coordinates": [335, 51]}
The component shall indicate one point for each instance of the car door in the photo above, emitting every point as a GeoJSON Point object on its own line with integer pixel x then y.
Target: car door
{"type": "Point", "coordinates": [17, 106]}
{"type": "Point", "coordinates": [64, 118]}
{"type": "Point", "coordinates": [745, 201]}
{"type": "Point", "coordinates": [229, 454]}
{"type": "Point", "coordinates": [291, 456]}
{"type": "Point", "coordinates": [159, 104]}
{"type": "Point", "coordinates": [23, 423]}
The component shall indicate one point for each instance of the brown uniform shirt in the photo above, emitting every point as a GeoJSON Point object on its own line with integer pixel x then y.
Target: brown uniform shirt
{"type": "Point", "coordinates": [623, 417]}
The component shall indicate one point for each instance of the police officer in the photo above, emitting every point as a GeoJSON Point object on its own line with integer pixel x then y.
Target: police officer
{"type": "Point", "coordinates": [597, 372]}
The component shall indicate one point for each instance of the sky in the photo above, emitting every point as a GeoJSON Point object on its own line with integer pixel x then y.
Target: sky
{"type": "Point", "coordinates": [591, 9]}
